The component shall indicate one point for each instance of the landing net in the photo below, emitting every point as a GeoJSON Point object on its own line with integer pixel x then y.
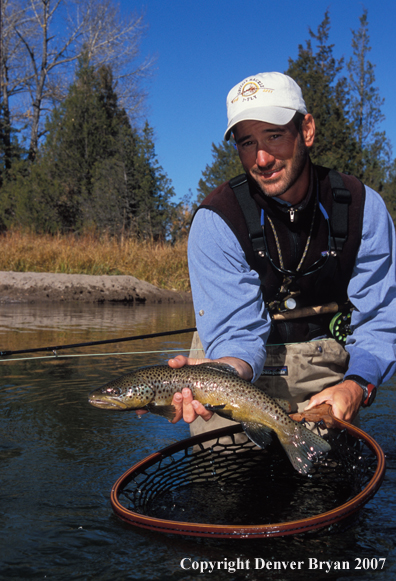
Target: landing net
{"type": "Point", "coordinates": [212, 485]}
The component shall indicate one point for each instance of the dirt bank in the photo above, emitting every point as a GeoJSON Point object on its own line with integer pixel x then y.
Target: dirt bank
{"type": "Point", "coordinates": [22, 287]}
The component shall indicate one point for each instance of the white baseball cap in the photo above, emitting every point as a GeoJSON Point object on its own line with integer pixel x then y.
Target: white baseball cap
{"type": "Point", "coordinates": [270, 97]}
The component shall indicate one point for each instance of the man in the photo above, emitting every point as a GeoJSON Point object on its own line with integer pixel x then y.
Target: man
{"type": "Point", "coordinates": [324, 237]}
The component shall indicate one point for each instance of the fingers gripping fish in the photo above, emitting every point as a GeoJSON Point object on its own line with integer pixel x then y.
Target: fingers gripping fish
{"type": "Point", "coordinates": [221, 390]}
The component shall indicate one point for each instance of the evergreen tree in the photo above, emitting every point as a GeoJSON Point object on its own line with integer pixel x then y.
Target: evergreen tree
{"type": "Point", "coordinates": [153, 190]}
{"type": "Point", "coordinates": [324, 91]}
{"type": "Point", "coordinates": [373, 154]}
{"type": "Point", "coordinates": [94, 169]}
{"type": "Point", "coordinates": [82, 133]}
{"type": "Point", "coordinates": [11, 155]}
{"type": "Point", "coordinates": [29, 199]}
{"type": "Point", "coordinates": [389, 190]}
{"type": "Point", "coordinates": [107, 167]}
{"type": "Point", "coordinates": [8, 147]}
{"type": "Point", "coordinates": [226, 165]}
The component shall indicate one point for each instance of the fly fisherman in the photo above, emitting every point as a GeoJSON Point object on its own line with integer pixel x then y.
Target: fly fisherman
{"type": "Point", "coordinates": [267, 247]}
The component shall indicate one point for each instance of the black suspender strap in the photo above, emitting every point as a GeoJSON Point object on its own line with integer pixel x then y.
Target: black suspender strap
{"type": "Point", "coordinates": [338, 220]}
{"type": "Point", "coordinates": [339, 213]}
{"type": "Point", "coordinates": [248, 206]}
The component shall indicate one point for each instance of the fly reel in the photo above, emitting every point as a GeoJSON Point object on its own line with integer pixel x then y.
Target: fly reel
{"type": "Point", "coordinates": [340, 327]}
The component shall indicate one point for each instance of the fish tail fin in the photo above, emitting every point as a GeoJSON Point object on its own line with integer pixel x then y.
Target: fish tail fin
{"type": "Point", "coordinates": [303, 448]}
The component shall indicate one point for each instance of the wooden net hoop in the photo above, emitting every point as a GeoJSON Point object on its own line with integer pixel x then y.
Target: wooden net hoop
{"type": "Point", "coordinates": [165, 458]}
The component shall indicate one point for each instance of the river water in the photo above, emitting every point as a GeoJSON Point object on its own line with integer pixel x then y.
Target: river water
{"type": "Point", "coordinates": [59, 458]}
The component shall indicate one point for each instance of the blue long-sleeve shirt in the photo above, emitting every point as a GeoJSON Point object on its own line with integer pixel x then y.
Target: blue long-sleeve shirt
{"type": "Point", "coordinates": [231, 316]}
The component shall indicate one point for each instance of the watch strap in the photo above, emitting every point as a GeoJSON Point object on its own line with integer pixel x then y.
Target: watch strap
{"type": "Point", "coordinates": [369, 389]}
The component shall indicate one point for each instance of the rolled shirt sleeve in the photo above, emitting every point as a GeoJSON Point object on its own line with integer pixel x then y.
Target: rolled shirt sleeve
{"type": "Point", "coordinates": [372, 291]}
{"type": "Point", "coordinates": [229, 308]}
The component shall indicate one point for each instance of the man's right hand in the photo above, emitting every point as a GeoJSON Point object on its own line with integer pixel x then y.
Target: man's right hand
{"type": "Point", "coordinates": [188, 408]}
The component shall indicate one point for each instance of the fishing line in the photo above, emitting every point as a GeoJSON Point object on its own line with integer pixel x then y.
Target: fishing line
{"type": "Point", "coordinates": [103, 342]}
{"type": "Point", "coordinates": [56, 356]}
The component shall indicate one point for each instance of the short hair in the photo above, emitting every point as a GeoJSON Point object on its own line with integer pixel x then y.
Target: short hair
{"type": "Point", "coordinates": [298, 119]}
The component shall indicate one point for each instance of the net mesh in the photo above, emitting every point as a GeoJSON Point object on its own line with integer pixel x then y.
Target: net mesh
{"type": "Point", "coordinates": [239, 488]}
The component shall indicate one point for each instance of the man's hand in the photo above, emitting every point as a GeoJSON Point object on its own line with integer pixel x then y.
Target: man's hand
{"type": "Point", "coordinates": [189, 409]}
{"type": "Point", "coordinates": [345, 399]}
{"type": "Point", "coordinates": [241, 367]}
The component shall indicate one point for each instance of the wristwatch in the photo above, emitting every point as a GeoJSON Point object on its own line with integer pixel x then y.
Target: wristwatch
{"type": "Point", "coordinates": [369, 389]}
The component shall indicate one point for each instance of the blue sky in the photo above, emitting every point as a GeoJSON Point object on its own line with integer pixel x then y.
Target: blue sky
{"type": "Point", "coordinates": [204, 47]}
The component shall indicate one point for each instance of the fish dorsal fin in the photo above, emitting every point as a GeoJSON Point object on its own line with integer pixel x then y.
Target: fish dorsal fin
{"type": "Point", "coordinates": [166, 411]}
{"type": "Point", "coordinates": [223, 367]}
{"type": "Point", "coordinates": [257, 433]}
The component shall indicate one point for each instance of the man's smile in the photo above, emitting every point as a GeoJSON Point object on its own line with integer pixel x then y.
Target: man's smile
{"type": "Point", "coordinates": [269, 173]}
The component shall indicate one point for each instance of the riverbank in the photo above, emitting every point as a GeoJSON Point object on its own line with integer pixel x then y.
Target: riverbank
{"type": "Point", "coordinates": [37, 287]}
{"type": "Point", "coordinates": [160, 264]}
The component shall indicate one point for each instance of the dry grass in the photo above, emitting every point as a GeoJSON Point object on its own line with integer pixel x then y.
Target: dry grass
{"type": "Point", "coordinates": [163, 265]}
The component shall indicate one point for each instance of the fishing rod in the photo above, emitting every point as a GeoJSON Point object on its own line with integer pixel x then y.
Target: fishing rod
{"type": "Point", "coordinates": [297, 313]}
{"type": "Point", "coordinates": [103, 342]}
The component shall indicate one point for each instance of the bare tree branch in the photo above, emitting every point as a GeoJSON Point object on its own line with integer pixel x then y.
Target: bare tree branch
{"type": "Point", "coordinates": [49, 36]}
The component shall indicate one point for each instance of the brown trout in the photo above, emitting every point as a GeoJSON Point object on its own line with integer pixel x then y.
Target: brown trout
{"type": "Point", "coordinates": [220, 390]}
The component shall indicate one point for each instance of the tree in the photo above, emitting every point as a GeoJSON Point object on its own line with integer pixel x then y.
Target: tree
{"type": "Point", "coordinates": [373, 154]}
{"type": "Point", "coordinates": [83, 133]}
{"type": "Point", "coordinates": [226, 165]}
{"type": "Point", "coordinates": [181, 218]}
{"type": "Point", "coordinates": [93, 170]}
{"type": "Point", "coordinates": [152, 190]}
{"type": "Point", "coordinates": [389, 190]}
{"type": "Point", "coordinates": [324, 91]}
{"type": "Point", "coordinates": [366, 102]}
{"type": "Point", "coordinates": [12, 77]}
{"type": "Point", "coordinates": [91, 27]}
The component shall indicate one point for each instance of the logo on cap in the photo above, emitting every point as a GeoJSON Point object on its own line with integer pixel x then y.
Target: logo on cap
{"type": "Point", "coordinates": [249, 89]}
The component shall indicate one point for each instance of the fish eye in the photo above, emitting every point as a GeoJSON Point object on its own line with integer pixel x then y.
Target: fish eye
{"type": "Point", "coordinates": [113, 391]}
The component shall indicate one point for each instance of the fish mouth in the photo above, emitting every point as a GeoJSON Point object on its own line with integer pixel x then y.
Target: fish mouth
{"type": "Point", "coordinates": [105, 403]}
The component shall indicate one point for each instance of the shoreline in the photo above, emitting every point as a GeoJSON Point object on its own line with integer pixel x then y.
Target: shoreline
{"type": "Point", "coordinates": [45, 287]}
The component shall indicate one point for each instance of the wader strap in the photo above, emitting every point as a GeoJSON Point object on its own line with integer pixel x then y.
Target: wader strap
{"type": "Point", "coordinates": [248, 206]}
{"type": "Point", "coordinates": [339, 214]}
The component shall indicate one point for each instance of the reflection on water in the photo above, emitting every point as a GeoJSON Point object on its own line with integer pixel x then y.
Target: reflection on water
{"type": "Point", "coordinates": [59, 458]}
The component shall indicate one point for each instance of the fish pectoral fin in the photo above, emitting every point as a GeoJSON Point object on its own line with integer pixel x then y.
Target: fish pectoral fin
{"type": "Point", "coordinates": [257, 433]}
{"type": "Point", "coordinates": [166, 411]}
{"type": "Point", "coordinates": [284, 404]}
{"type": "Point", "coordinates": [214, 408]}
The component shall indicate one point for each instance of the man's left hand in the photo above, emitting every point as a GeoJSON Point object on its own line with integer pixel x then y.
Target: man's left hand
{"type": "Point", "coordinates": [345, 399]}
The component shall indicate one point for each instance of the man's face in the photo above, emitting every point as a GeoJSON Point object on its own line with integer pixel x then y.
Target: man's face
{"type": "Point", "coordinates": [276, 156]}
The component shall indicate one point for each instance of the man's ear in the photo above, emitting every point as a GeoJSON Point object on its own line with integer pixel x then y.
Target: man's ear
{"type": "Point", "coordinates": [308, 130]}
